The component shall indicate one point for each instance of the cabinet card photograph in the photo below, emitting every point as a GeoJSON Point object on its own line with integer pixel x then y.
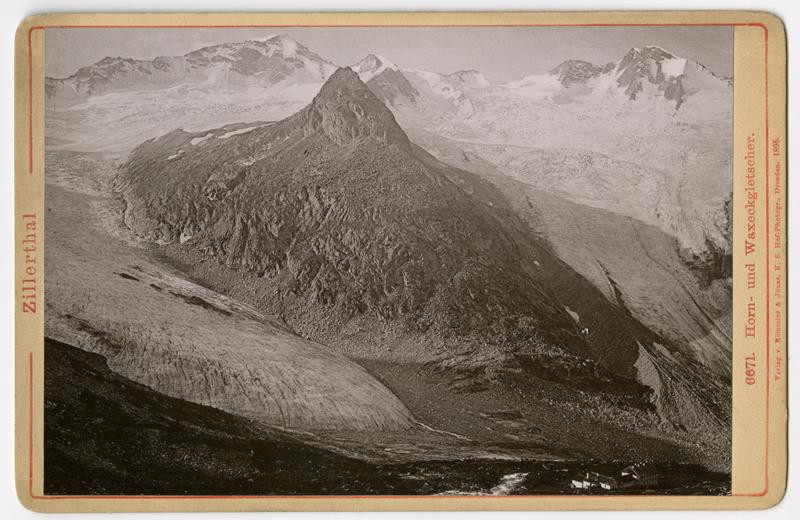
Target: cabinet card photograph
{"type": "Point", "coordinates": [400, 261]}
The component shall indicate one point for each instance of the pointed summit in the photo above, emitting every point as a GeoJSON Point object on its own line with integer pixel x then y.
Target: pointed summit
{"type": "Point", "coordinates": [385, 80]}
{"type": "Point", "coordinates": [372, 65]}
{"type": "Point", "coordinates": [646, 59]}
{"type": "Point", "coordinates": [346, 110]}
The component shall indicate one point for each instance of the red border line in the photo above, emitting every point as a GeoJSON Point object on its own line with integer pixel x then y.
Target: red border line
{"type": "Point", "coordinates": [238, 497]}
{"type": "Point", "coordinates": [30, 100]}
{"type": "Point", "coordinates": [30, 423]}
{"type": "Point", "coordinates": [766, 241]}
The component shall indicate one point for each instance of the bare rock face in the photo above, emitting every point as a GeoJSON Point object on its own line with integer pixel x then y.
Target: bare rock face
{"type": "Point", "coordinates": [345, 110]}
{"type": "Point", "coordinates": [571, 72]}
{"type": "Point", "coordinates": [393, 88]}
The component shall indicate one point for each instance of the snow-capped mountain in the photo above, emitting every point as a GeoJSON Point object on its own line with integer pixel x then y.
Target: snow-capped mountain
{"type": "Point", "coordinates": [267, 62]}
{"type": "Point", "coordinates": [649, 108]}
{"type": "Point", "coordinates": [372, 65]}
{"type": "Point", "coordinates": [642, 74]}
{"type": "Point", "coordinates": [385, 80]}
{"type": "Point", "coordinates": [653, 70]}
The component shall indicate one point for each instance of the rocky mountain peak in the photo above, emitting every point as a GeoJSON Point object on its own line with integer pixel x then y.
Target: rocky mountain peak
{"type": "Point", "coordinates": [373, 65]}
{"type": "Point", "coordinates": [654, 52]}
{"type": "Point", "coordinates": [346, 110]}
{"type": "Point", "coordinates": [651, 62]}
{"type": "Point", "coordinates": [655, 66]}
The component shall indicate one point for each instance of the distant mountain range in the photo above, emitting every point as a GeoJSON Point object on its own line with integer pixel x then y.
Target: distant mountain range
{"type": "Point", "coordinates": [281, 60]}
{"type": "Point", "coordinates": [276, 60]}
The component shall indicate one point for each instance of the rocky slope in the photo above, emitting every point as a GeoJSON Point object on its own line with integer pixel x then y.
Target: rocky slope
{"type": "Point", "coordinates": [343, 217]}
{"type": "Point", "coordinates": [683, 351]}
{"type": "Point", "coordinates": [573, 72]}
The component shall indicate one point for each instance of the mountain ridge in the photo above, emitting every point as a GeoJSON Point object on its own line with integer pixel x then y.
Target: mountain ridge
{"type": "Point", "coordinates": [269, 61]}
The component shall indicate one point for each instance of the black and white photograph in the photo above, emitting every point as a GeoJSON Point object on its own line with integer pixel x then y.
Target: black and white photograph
{"type": "Point", "coordinates": [368, 261]}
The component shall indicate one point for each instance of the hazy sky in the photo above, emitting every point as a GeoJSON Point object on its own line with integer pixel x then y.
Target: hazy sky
{"type": "Point", "coordinates": [501, 53]}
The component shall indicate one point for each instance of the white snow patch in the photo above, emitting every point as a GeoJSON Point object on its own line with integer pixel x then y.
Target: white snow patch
{"type": "Point", "coordinates": [237, 132]}
{"type": "Point", "coordinates": [288, 47]}
{"type": "Point", "coordinates": [673, 67]}
{"type": "Point", "coordinates": [197, 140]}
{"type": "Point", "coordinates": [471, 78]}
{"type": "Point", "coordinates": [575, 316]}
{"type": "Point", "coordinates": [662, 49]}
{"type": "Point", "coordinates": [436, 83]}
{"type": "Point", "coordinates": [175, 155]}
